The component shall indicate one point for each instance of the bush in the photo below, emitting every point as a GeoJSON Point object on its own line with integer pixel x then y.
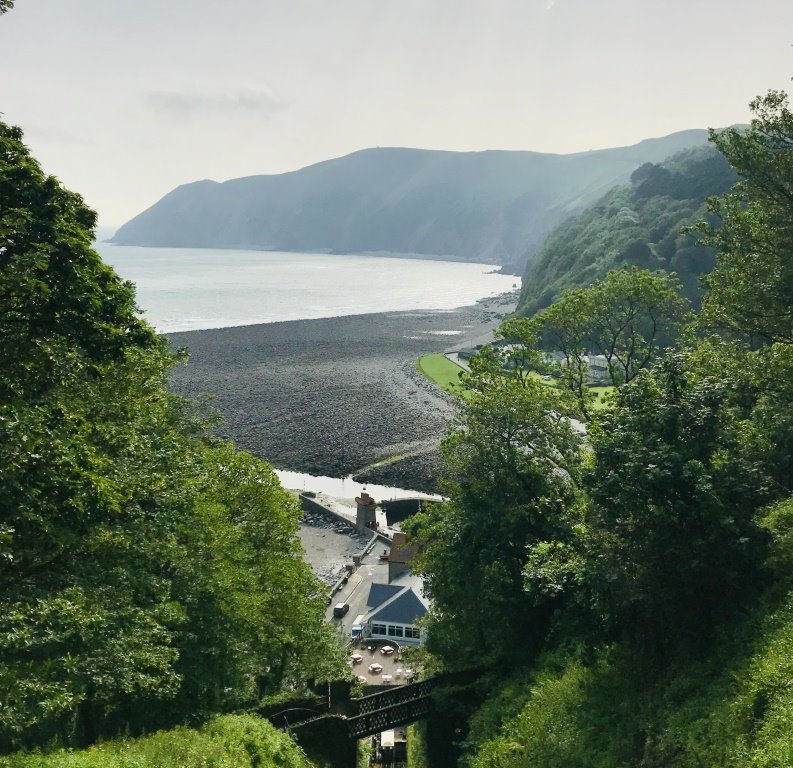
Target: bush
{"type": "Point", "coordinates": [232, 741]}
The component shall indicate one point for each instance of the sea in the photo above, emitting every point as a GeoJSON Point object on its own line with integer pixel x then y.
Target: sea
{"type": "Point", "coordinates": [187, 289]}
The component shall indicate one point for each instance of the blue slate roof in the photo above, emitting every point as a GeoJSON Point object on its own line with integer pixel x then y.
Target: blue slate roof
{"type": "Point", "coordinates": [379, 593]}
{"type": "Point", "coordinates": [403, 609]}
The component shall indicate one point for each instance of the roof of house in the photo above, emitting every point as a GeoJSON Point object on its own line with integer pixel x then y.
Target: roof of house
{"type": "Point", "coordinates": [379, 593]}
{"type": "Point", "coordinates": [404, 606]}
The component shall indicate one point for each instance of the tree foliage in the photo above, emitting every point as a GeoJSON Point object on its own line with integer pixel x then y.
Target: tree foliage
{"type": "Point", "coordinates": [673, 492]}
{"type": "Point", "coordinates": [512, 464]}
{"type": "Point", "coordinates": [751, 291]}
{"type": "Point", "coordinates": [148, 573]}
{"type": "Point", "coordinates": [635, 314]}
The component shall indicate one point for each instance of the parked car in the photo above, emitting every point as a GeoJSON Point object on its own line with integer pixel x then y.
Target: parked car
{"type": "Point", "coordinates": [340, 610]}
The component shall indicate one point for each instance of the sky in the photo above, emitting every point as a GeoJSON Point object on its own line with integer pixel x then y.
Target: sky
{"type": "Point", "coordinates": [124, 100]}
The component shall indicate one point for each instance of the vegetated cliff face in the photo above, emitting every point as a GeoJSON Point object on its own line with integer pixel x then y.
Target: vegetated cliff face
{"type": "Point", "coordinates": [493, 206]}
{"type": "Point", "coordinates": [637, 223]}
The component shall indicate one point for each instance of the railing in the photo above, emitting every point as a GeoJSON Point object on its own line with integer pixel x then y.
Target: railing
{"type": "Point", "coordinates": [385, 710]}
{"type": "Point", "coordinates": [399, 695]}
{"type": "Point", "coordinates": [389, 717]}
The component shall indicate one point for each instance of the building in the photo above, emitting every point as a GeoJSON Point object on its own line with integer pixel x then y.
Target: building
{"type": "Point", "coordinates": [598, 367]}
{"type": "Point", "coordinates": [394, 611]}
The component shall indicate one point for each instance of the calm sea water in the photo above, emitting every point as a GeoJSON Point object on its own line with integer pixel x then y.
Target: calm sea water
{"type": "Point", "coordinates": [184, 289]}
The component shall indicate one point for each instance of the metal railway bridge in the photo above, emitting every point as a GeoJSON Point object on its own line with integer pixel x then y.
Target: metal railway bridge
{"type": "Point", "coordinates": [344, 720]}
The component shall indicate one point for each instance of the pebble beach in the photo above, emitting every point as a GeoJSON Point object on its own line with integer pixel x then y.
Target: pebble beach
{"type": "Point", "coordinates": [336, 396]}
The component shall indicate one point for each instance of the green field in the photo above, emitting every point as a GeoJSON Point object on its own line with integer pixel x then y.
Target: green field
{"type": "Point", "coordinates": [441, 371]}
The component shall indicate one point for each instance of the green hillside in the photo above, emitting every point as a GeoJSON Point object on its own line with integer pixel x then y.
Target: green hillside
{"type": "Point", "coordinates": [232, 741]}
{"type": "Point", "coordinates": [493, 207]}
{"type": "Point", "coordinates": [637, 223]}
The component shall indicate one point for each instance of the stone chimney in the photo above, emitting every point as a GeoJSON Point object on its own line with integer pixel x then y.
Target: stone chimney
{"type": "Point", "coordinates": [365, 517]}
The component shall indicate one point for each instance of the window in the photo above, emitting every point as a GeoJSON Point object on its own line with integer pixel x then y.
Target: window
{"type": "Point", "coordinates": [413, 632]}
{"type": "Point", "coordinates": [394, 631]}
{"type": "Point", "coordinates": [379, 629]}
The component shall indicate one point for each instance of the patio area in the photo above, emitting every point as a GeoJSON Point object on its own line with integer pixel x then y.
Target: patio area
{"type": "Point", "coordinates": [373, 667]}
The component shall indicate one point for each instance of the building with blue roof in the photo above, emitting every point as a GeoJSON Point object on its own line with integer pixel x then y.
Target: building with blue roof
{"type": "Point", "coordinates": [394, 611]}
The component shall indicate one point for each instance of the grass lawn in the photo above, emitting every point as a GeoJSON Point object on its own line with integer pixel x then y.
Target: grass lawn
{"type": "Point", "coordinates": [441, 371]}
{"type": "Point", "coordinates": [598, 392]}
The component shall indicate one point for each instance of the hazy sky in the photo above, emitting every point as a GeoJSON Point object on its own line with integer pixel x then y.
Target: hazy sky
{"type": "Point", "coordinates": [125, 99]}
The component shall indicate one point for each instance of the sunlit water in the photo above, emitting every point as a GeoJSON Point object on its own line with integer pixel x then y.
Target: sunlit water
{"type": "Point", "coordinates": [184, 289]}
{"type": "Point", "coordinates": [345, 487]}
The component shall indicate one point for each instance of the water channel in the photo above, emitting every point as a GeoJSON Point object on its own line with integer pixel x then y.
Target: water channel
{"type": "Point", "coordinates": [345, 487]}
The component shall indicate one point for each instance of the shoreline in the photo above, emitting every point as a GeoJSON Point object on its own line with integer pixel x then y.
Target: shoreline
{"type": "Point", "coordinates": [335, 396]}
{"type": "Point", "coordinates": [495, 298]}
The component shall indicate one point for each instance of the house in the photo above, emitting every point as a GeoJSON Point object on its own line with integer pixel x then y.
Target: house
{"type": "Point", "coordinates": [466, 353]}
{"type": "Point", "coordinates": [598, 367]}
{"type": "Point", "coordinates": [394, 611]}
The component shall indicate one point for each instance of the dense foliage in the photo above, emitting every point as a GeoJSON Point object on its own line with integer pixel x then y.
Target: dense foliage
{"type": "Point", "coordinates": [659, 547]}
{"type": "Point", "coordinates": [513, 460]}
{"type": "Point", "coordinates": [751, 291]}
{"type": "Point", "coordinates": [148, 573]}
{"type": "Point", "coordinates": [628, 318]}
{"type": "Point", "coordinates": [637, 224]}
{"type": "Point", "coordinates": [231, 741]}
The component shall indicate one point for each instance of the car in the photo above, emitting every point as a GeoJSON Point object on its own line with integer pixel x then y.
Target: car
{"type": "Point", "coordinates": [340, 610]}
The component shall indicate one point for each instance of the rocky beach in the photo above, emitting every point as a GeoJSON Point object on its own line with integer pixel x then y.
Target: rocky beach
{"type": "Point", "coordinates": [338, 396]}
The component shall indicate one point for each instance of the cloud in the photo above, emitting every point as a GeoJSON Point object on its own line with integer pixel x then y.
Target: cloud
{"type": "Point", "coordinates": [549, 4]}
{"type": "Point", "coordinates": [205, 100]}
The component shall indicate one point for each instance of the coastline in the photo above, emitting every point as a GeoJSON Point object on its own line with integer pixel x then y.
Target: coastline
{"type": "Point", "coordinates": [335, 396]}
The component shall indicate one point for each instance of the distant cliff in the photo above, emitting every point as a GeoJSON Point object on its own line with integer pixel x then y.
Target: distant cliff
{"type": "Point", "coordinates": [493, 206]}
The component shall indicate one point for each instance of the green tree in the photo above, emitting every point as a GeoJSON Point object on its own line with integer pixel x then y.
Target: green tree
{"type": "Point", "coordinates": [635, 314]}
{"type": "Point", "coordinates": [512, 463]}
{"type": "Point", "coordinates": [148, 574]}
{"type": "Point", "coordinates": [62, 311]}
{"type": "Point", "coordinates": [255, 619]}
{"type": "Point", "coordinates": [750, 293]}
{"type": "Point", "coordinates": [672, 539]}
{"type": "Point", "coordinates": [6, 5]}
{"type": "Point", "coordinates": [628, 317]}
{"type": "Point", "coordinates": [565, 327]}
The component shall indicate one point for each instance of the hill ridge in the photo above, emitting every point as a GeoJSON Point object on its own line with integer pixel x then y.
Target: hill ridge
{"type": "Point", "coordinates": [493, 206]}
